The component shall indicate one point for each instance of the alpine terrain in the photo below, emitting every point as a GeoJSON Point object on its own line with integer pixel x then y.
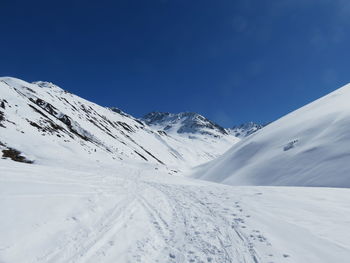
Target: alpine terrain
{"type": "Point", "coordinates": [84, 183]}
{"type": "Point", "coordinates": [308, 147]}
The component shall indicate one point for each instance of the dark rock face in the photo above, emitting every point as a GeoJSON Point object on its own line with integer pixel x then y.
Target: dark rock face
{"type": "Point", "coordinates": [15, 155]}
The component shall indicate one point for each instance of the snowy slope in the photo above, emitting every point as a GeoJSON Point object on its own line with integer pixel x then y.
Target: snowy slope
{"type": "Point", "coordinates": [139, 214]}
{"type": "Point", "coordinates": [308, 147]}
{"type": "Point", "coordinates": [94, 184]}
{"type": "Point", "coordinates": [47, 124]}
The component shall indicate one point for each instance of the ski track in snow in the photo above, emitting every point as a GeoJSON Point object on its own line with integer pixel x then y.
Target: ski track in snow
{"type": "Point", "coordinates": [142, 214]}
{"type": "Point", "coordinates": [209, 244]}
{"type": "Point", "coordinates": [122, 197]}
{"type": "Point", "coordinates": [178, 222]}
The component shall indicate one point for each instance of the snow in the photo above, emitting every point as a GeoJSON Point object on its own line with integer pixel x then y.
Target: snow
{"type": "Point", "coordinates": [184, 123]}
{"type": "Point", "coordinates": [140, 214]}
{"type": "Point", "coordinates": [89, 196]}
{"type": "Point", "coordinates": [52, 125]}
{"type": "Point", "coordinates": [308, 147]}
{"type": "Point", "coordinates": [245, 129]}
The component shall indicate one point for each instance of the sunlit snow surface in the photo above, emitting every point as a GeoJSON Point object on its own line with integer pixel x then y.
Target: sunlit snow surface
{"type": "Point", "coordinates": [139, 214]}
{"type": "Point", "coordinates": [92, 197]}
{"type": "Point", "coordinates": [308, 147]}
{"type": "Point", "coordinates": [51, 125]}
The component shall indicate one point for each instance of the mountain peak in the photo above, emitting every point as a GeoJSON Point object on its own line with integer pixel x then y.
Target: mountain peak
{"type": "Point", "coordinates": [184, 122]}
{"type": "Point", "coordinates": [245, 129]}
{"type": "Point", "coordinates": [45, 84]}
{"type": "Point", "coordinates": [56, 121]}
{"type": "Point", "coordinates": [23, 85]}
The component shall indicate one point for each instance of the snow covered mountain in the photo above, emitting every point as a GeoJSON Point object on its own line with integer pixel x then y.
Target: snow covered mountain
{"type": "Point", "coordinates": [184, 122]}
{"type": "Point", "coordinates": [308, 147]}
{"type": "Point", "coordinates": [245, 129]}
{"type": "Point", "coordinates": [93, 184]}
{"type": "Point", "coordinates": [42, 123]}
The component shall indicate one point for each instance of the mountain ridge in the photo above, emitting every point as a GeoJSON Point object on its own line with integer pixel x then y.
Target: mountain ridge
{"type": "Point", "coordinates": [41, 113]}
{"type": "Point", "coordinates": [246, 129]}
{"type": "Point", "coordinates": [184, 122]}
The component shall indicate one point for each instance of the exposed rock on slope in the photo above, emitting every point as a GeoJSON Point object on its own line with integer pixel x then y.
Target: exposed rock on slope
{"type": "Point", "coordinates": [50, 125]}
{"type": "Point", "coordinates": [245, 129]}
{"type": "Point", "coordinates": [184, 122]}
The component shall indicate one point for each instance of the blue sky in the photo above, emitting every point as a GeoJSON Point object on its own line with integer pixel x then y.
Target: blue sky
{"type": "Point", "coordinates": [232, 61]}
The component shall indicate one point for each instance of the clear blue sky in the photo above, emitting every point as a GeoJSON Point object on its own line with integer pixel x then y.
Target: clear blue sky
{"type": "Point", "coordinates": [232, 61]}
